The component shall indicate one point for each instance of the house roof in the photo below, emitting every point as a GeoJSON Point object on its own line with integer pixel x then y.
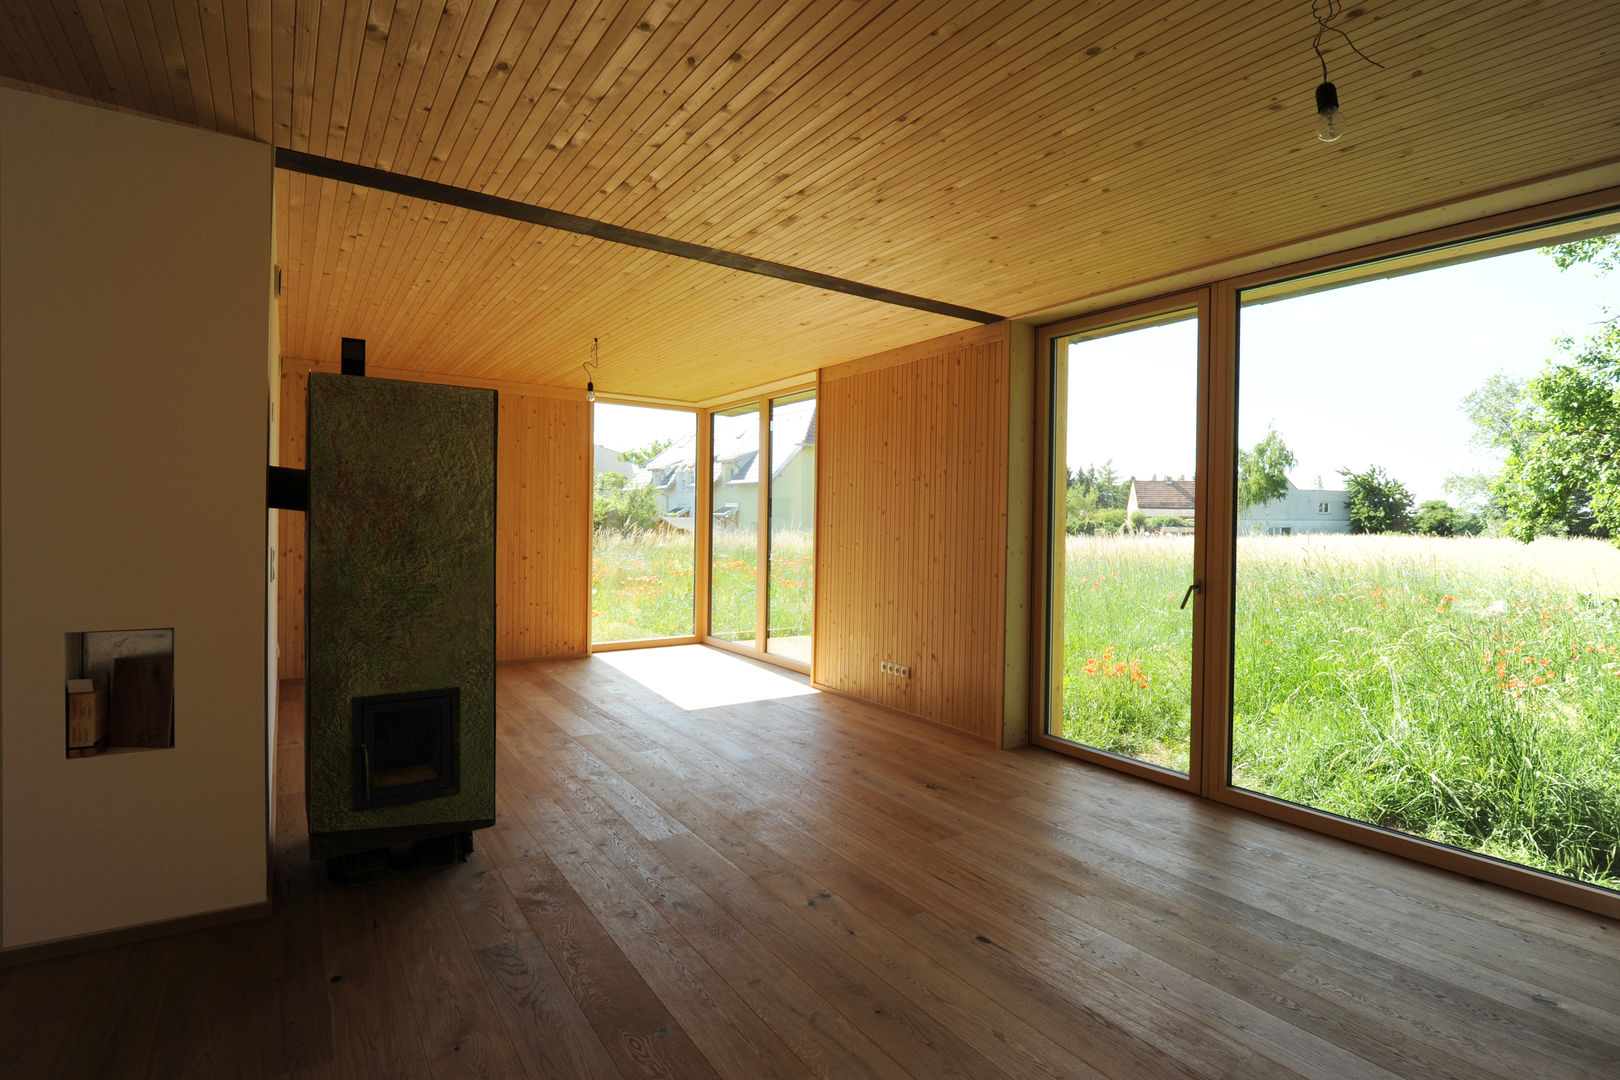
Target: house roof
{"type": "Point", "coordinates": [737, 444]}
{"type": "Point", "coordinates": [1011, 158]}
{"type": "Point", "coordinates": [1164, 494]}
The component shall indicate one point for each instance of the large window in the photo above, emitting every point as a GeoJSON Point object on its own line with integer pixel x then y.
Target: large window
{"type": "Point", "coordinates": [762, 546]}
{"type": "Point", "coordinates": [1400, 658]}
{"type": "Point", "coordinates": [734, 547]}
{"type": "Point", "coordinates": [1126, 449]}
{"type": "Point", "coordinates": [1389, 490]}
{"type": "Point", "coordinates": [643, 554]}
{"type": "Point", "coordinates": [790, 611]}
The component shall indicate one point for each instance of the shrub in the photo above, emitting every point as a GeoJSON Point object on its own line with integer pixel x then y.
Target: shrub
{"type": "Point", "coordinates": [1093, 522]}
{"type": "Point", "coordinates": [1378, 502]}
{"type": "Point", "coordinates": [1437, 518]}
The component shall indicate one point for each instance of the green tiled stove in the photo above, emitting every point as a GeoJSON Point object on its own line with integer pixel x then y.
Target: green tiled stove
{"type": "Point", "coordinates": [400, 622]}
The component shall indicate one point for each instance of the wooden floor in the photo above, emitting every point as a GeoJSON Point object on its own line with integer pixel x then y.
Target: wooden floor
{"type": "Point", "coordinates": [811, 887]}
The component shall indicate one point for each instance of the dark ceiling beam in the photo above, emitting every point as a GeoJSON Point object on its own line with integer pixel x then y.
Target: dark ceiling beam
{"type": "Point", "coordinates": [413, 187]}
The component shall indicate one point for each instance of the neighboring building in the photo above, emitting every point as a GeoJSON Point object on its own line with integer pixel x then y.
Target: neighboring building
{"type": "Point", "coordinates": [606, 459]}
{"type": "Point", "coordinates": [1301, 510]}
{"type": "Point", "coordinates": [1161, 498]}
{"type": "Point", "coordinates": [673, 474]}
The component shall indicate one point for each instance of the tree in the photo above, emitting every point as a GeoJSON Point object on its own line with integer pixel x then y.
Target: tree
{"type": "Point", "coordinates": [620, 507]}
{"type": "Point", "coordinates": [1262, 472]}
{"type": "Point", "coordinates": [1378, 502]}
{"type": "Point", "coordinates": [1494, 409]}
{"type": "Point", "coordinates": [1602, 252]}
{"type": "Point", "coordinates": [1101, 485]}
{"type": "Point", "coordinates": [1436, 518]}
{"type": "Point", "coordinates": [646, 453]}
{"type": "Point", "coordinates": [1562, 472]}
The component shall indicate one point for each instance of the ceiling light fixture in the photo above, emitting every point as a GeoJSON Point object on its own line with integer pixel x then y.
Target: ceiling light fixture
{"type": "Point", "coordinates": [1329, 120]}
{"type": "Point", "coordinates": [590, 367]}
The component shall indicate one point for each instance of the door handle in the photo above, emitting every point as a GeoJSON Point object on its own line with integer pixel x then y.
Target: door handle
{"type": "Point", "coordinates": [1195, 587]}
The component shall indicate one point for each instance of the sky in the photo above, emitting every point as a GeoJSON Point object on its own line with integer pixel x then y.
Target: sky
{"type": "Point", "coordinates": [631, 427]}
{"type": "Point", "coordinates": [1369, 374]}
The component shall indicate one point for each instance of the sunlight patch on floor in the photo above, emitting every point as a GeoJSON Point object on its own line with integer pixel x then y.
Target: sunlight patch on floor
{"type": "Point", "coordinates": [694, 677]}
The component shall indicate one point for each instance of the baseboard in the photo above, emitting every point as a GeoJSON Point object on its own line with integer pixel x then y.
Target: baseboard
{"type": "Point", "coordinates": [23, 954]}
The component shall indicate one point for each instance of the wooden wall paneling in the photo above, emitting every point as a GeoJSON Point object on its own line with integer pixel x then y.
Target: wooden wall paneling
{"type": "Point", "coordinates": [911, 560]}
{"type": "Point", "coordinates": [1072, 135]}
{"type": "Point", "coordinates": [543, 520]}
{"type": "Point", "coordinates": [290, 554]}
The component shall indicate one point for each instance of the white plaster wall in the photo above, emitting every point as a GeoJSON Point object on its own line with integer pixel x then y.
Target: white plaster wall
{"type": "Point", "coordinates": [133, 338]}
{"type": "Point", "coordinates": [1299, 511]}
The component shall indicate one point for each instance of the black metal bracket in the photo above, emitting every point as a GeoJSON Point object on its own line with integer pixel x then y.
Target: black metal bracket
{"type": "Point", "coordinates": [286, 489]}
{"type": "Point", "coordinates": [353, 355]}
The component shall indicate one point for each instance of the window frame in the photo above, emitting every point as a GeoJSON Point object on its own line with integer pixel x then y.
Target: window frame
{"type": "Point", "coordinates": [764, 401]}
{"type": "Point", "coordinates": [1215, 540]}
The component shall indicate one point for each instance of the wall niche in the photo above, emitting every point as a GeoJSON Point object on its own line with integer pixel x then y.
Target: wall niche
{"type": "Point", "coordinates": [120, 690]}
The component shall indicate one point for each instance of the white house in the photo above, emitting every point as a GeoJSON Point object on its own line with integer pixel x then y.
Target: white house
{"type": "Point", "coordinates": [673, 474]}
{"type": "Point", "coordinates": [1161, 498]}
{"type": "Point", "coordinates": [1300, 510]}
{"type": "Point", "coordinates": [606, 459]}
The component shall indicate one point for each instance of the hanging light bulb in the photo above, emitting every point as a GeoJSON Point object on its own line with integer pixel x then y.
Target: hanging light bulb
{"type": "Point", "coordinates": [590, 367]}
{"type": "Point", "coordinates": [1329, 120]}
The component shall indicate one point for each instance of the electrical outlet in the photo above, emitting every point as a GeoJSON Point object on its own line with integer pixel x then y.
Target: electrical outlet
{"type": "Point", "coordinates": [891, 668]}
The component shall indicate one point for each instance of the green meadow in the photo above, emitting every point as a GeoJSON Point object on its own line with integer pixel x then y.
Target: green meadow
{"type": "Point", "coordinates": [641, 584]}
{"type": "Point", "coordinates": [1465, 690]}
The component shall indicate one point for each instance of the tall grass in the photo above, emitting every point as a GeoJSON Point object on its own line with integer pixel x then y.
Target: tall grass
{"type": "Point", "coordinates": [1464, 690]}
{"type": "Point", "coordinates": [642, 584]}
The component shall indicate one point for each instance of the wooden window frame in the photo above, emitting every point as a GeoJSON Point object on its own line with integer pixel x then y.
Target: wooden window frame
{"type": "Point", "coordinates": [1215, 541]}
{"type": "Point", "coordinates": [764, 401]}
{"type": "Point", "coordinates": [699, 602]}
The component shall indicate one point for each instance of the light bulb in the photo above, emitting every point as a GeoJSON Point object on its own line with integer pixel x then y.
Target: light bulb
{"type": "Point", "coordinates": [1329, 120]}
{"type": "Point", "coordinates": [590, 391]}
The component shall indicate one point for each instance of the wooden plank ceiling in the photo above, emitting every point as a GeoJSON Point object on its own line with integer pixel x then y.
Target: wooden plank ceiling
{"type": "Point", "coordinates": [1004, 155]}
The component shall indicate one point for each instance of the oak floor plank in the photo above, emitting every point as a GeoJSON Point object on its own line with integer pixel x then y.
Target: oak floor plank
{"type": "Point", "coordinates": [1271, 914]}
{"type": "Point", "coordinates": [634, 1025]}
{"type": "Point", "coordinates": [455, 1018]}
{"type": "Point", "coordinates": [372, 1016]}
{"type": "Point", "coordinates": [814, 885]}
{"type": "Point", "coordinates": [908, 1033]}
{"type": "Point", "coordinates": [811, 1025]}
{"type": "Point", "coordinates": [544, 1022]}
{"type": "Point", "coordinates": [735, 1041]}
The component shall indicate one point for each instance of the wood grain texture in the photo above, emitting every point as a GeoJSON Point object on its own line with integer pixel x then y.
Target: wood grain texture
{"type": "Point", "coordinates": [542, 505]}
{"type": "Point", "coordinates": [806, 886]}
{"type": "Point", "coordinates": [543, 512]}
{"type": "Point", "coordinates": [1008, 156]}
{"type": "Point", "coordinates": [911, 548]}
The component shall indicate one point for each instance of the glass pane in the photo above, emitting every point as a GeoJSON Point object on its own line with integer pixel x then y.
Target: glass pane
{"type": "Point", "coordinates": [1402, 656]}
{"type": "Point", "coordinates": [791, 587]}
{"type": "Point", "coordinates": [643, 549]}
{"type": "Point", "coordinates": [1129, 415]}
{"type": "Point", "coordinates": [733, 589]}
